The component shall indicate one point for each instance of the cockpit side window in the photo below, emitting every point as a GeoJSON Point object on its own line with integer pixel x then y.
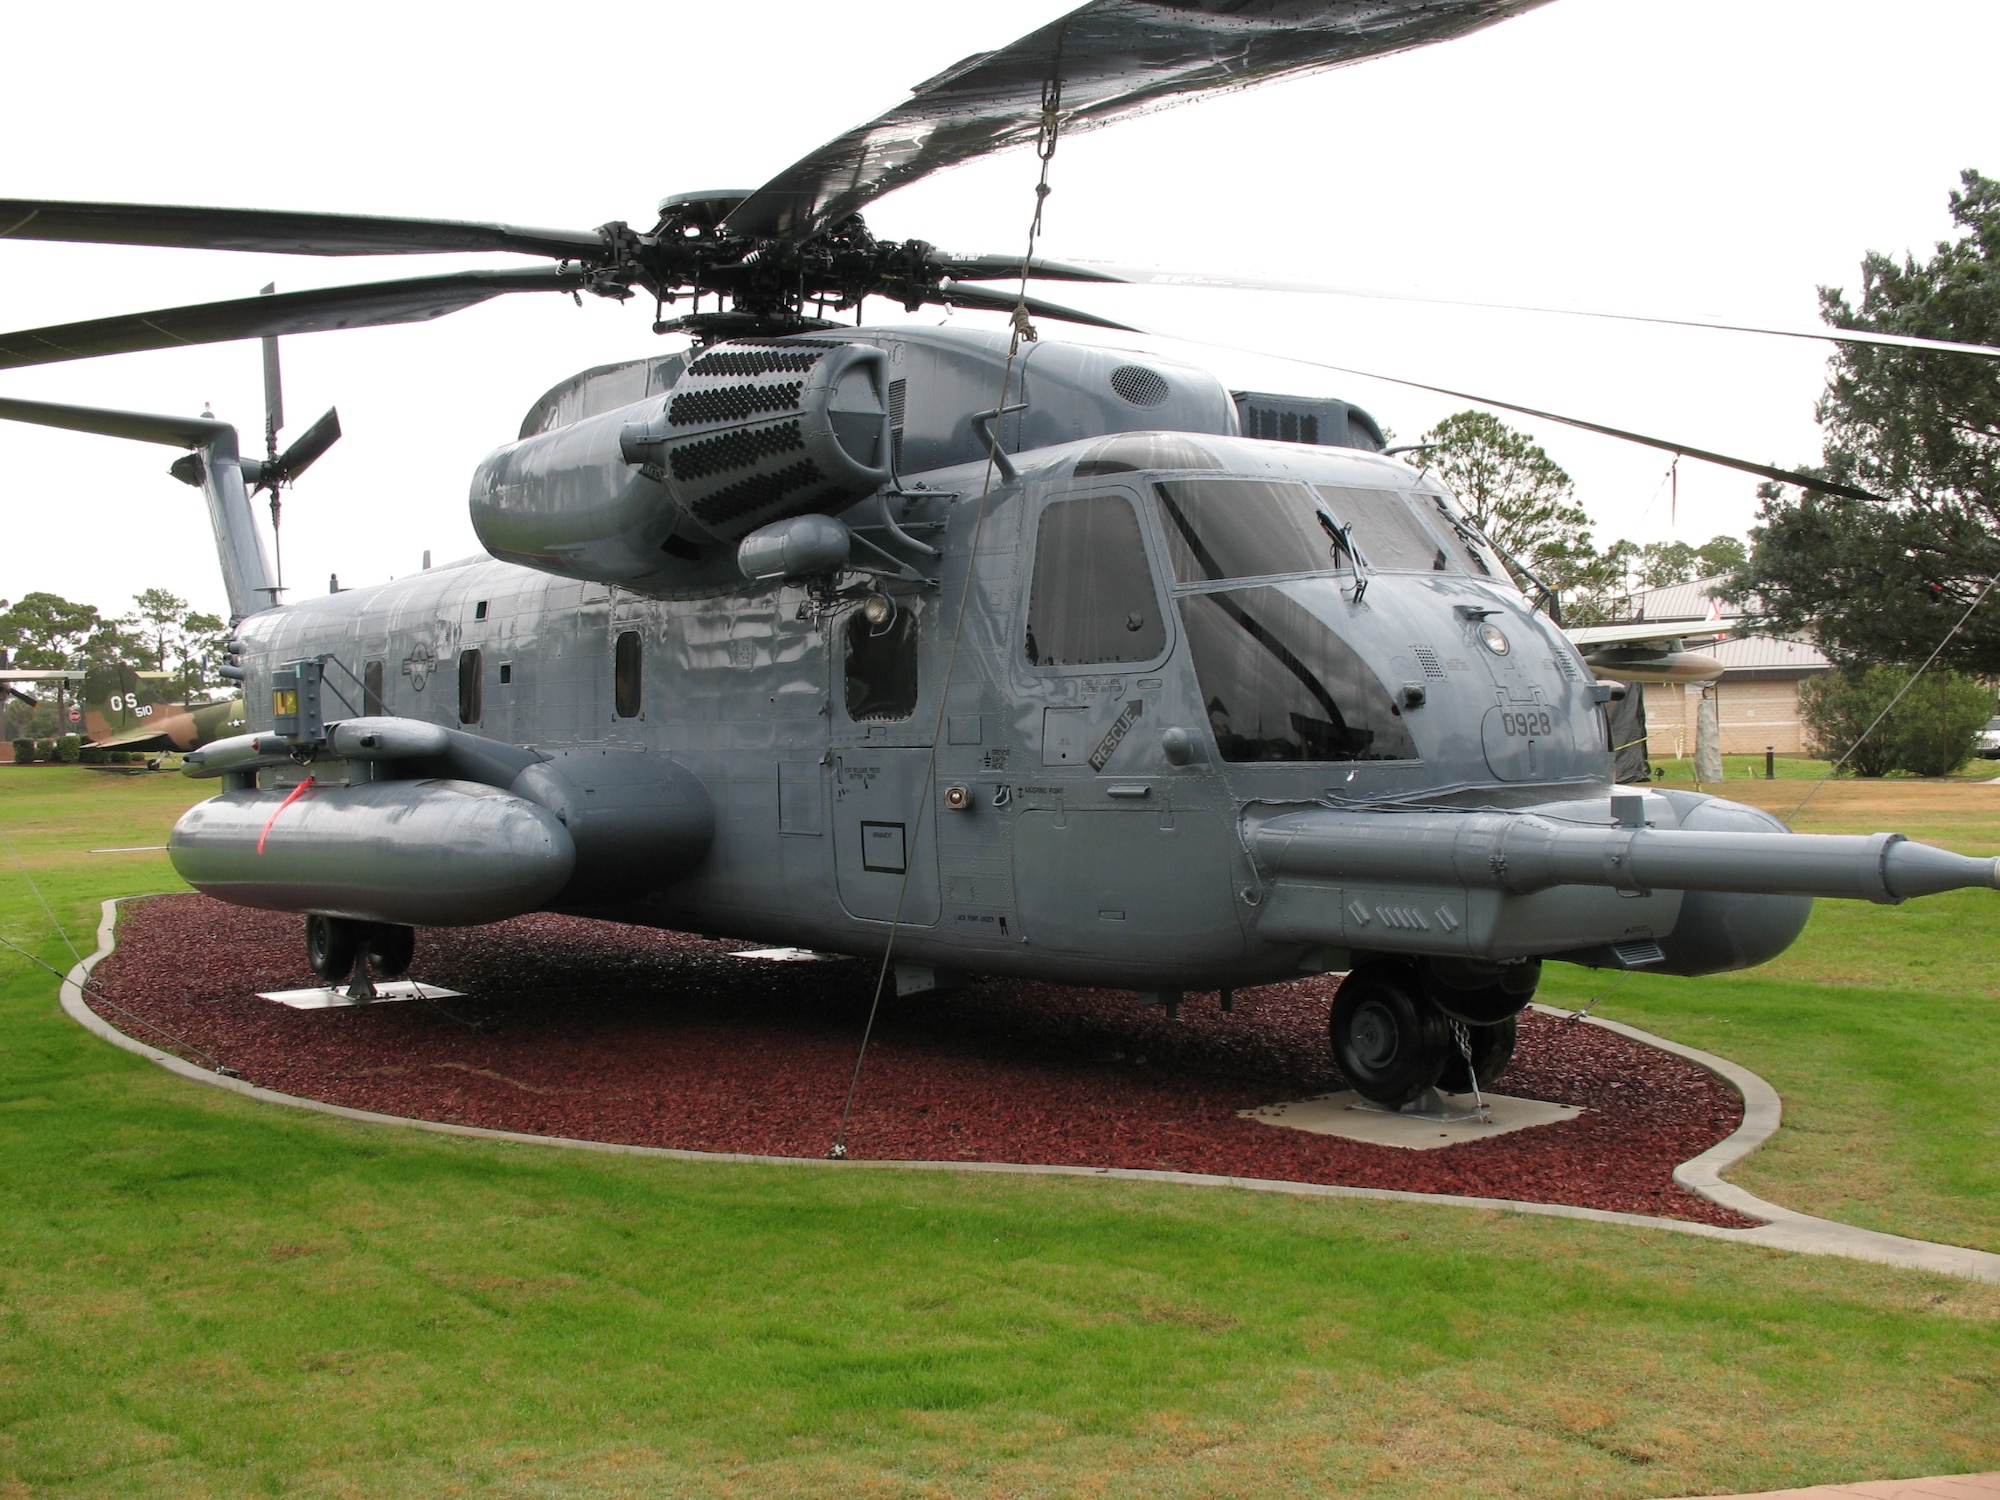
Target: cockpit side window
{"type": "Point", "coordinates": [1093, 598]}
{"type": "Point", "coordinates": [1280, 685]}
{"type": "Point", "coordinates": [1468, 540]}
{"type": "Point", "coordinates": [1386, 531]}
{"type": "Point", "coordinates": [1245, 528]}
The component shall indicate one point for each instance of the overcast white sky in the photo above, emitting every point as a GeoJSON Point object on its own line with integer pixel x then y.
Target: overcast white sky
{"type": "Point", "coordinates": [1673, 156]}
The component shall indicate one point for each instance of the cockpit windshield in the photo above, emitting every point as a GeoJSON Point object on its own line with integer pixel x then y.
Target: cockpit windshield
{"type": "Point", "coordinates": [1385, 529]}
{"type": "Point", "coordinates": [1246, 528]}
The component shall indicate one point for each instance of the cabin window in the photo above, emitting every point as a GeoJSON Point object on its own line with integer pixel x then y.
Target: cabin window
{"type": "Point", "coordinates": [371, 688]}
{"type": "Point", "coordinates": [882, 666]}
{"type": "Point", "coordinates": [506, 673]}
{"type": "Point", "coordinates": [1245, 528]}
{"type": "Point", "coordinates": [626, 662]}
{"type": "Point", "coordinates": [1278, 684]}
{"type": "Point", "coordinates": [479, 610]}
{"type": "Point", "coordinates": [468, 687]}
{"type": "Point", "coordinates": [1092, 599]}
{"type": "Point", "coordinates": [1386, 530]}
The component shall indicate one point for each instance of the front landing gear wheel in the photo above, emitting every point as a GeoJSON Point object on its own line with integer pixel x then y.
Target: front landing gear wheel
{"type": "Point", "coordinates": [1387, 1038]}
{"type": "Point", "coordinates": [1492, 1050]}
{"type": "Point", "coordinates": [332, 945]}
{"type": "Point", "coordinates": [389, 949]}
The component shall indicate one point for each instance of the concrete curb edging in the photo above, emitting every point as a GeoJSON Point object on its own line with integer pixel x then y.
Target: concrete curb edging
{"type": "Point", "coordinates": [1788, 1230]}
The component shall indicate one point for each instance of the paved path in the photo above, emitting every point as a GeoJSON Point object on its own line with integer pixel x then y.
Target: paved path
{"type": "Point", "coordinates": [1940, 1487]}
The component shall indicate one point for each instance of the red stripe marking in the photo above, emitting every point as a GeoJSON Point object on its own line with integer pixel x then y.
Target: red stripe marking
{"type": "Point", "coordinates": [297, 792]}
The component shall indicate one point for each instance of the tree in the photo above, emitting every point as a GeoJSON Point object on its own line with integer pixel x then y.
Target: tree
{"type": "Point", "coordinates": [1886, 581]}
{"type": "Point", "coordinates": [165, 613]}
{"type": "Point", "coordinates": [1720, 554]}
{"type": "Point", "coordinates": [1520, 497]}
{"type": "Point", "coordinates": [204, 646]}
{"type": "Point", "coordinates": [47, 632]}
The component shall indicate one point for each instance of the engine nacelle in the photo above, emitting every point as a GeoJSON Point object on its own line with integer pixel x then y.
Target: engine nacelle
{"type": "Point", "coordinates": [654, 496]}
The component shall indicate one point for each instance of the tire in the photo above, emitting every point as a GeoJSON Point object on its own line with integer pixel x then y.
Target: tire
{"type": "Point", "coordinates": [1388, 1039]}
{"type": "Point", "coordinates": [1481, 994]}
{"type": "Point", "coordinates": [1492, 1050]}
{"type": "Point", "coordinates": [389, 949]}
{"type": "Point", "coordinates": [332, 945]}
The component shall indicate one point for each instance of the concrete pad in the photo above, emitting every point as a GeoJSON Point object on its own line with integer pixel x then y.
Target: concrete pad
{"type": "Point", "coordinates": [1938, 1487]}
{"type": "Point", "coordinates": [1348, 1115]}
{"type": "Point", "coordinates": [325, 996]}
{"type": "Point", "coordinates": [788, 955]}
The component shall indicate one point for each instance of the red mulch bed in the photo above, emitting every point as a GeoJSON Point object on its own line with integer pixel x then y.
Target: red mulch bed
{"type": "Point", "coordinates": [579, 1028]}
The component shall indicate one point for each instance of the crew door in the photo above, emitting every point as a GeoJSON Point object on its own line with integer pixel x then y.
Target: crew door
{"type": "Point", "coordinates": [884, 813]}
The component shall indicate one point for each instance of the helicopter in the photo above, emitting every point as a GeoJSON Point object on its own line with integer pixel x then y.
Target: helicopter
{"type": "Point", "coordinates": [976, 653]}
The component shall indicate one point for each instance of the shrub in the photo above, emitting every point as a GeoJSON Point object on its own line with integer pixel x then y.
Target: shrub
{"type": "Point", "coordinates": [93, 755]}
{"type": "Point", "coordinates": [1838, 708]}
{"type": "Point", "coordinates": [45, 749]}
{"type": "Point", "coordinates": [24, 752]}
{"type": "Point", "coordinates": [69, 748]}
{"type": "Point", "coordinates": [1930, 731]}
{"type": "Point", "coordinates": [1933, 729]}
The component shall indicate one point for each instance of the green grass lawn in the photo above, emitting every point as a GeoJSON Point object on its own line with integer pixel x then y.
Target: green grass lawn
{"type": "Point", "coordinates": [204, 1296]}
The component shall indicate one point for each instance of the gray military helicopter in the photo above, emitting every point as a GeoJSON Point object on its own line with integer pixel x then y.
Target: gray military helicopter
{"type": "Point", "coordinates": [987, 656]}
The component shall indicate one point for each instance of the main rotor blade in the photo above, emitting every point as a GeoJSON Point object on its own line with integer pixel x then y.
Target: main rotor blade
{"type": "Point", "coordinates": [1666, 445]}
{"type": "Point", "coordinates": [985, 301]}
{"type": "Point", "coordinates": [1115, 58]}
{"type": "Point", "coordinates": [141, 426]}
{"type": "Point", "coordinates": [1008, 268]}
{"type": "Point", "coordinates": [311, 443]}
{"type": "Point", "coordinates": [368, 306]}
{"type": "Point", "coordinates": [279, 232]}
{"type": "Point", "coordinates": [1145, 276]}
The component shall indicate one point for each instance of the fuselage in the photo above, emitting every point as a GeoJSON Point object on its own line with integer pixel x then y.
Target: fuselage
{"type": "Point", "coordinates": [1045, 763]}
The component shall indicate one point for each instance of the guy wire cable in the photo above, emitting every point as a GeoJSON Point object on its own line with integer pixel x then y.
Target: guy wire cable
{"type": "Point", "coordinates": [1023, 330]}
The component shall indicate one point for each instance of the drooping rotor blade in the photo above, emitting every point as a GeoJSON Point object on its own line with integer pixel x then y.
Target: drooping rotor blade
{"type": "Point", "coordinates": [1666, 445]}
{"type": "Point", "coordinates": [1114, 59]}
{"type": "Point", "coordinates": [368, 306]}
{"type": "Point", "coordinates": [311, 443]}
{"type": "Point", "coordinates": [279, 232]}
{"type": "Point", "coordinates": [1144, 276]}
{"type": "Point", "coordinates": [1005, 302]}
{"type": "Point", "coordinates": [1008, 268]}
{"type": "Point", "coordinates": [144, 427]}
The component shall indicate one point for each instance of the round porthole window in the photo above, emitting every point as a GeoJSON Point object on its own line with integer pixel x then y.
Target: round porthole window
{"type": "Point", "coordinates": [1493, 637]}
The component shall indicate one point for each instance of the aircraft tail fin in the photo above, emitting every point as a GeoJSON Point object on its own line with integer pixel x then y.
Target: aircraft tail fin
{"type": "Point", "coordinates": [214, 465]}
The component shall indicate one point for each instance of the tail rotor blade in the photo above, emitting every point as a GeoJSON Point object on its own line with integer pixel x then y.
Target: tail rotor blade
{"type": "Point", "coordinates": [274, 391]}
{"type": "Point", "coordinates": [311, 443]}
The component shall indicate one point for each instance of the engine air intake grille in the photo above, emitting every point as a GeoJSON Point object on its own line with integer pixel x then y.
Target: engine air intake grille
{"type": "Point", "coordinates": [733, 450]}
{"type": "Point", "coordinates": [1139, 385]}
{"type": "Point", "coordinates": [732, 402]}
{"type": "Point", "coordinates": [755, 493]}
{"type": "Point", "coordinates": [1637, 954]}
{"type": "Point", "coordinates": [786, 357]}
{"type": "Point", "coordinates": [1428, 660]}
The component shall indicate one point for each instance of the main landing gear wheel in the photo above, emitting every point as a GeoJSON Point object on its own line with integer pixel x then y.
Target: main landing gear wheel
{"type": "Point", "coordinates": [1388, 1039]}
{"type": "Point", "coordinates": [332, 945]}
{"type": "Point", "coordinates": [389, 948]}
{"type": "Point", "coordinates": [1492, 1050]}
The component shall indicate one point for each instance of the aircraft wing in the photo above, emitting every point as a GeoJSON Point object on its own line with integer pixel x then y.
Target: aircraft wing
{"type": "Point", "coordinates": [17, 674]}
{"type": "Point", "coordinates": [1632, 632]}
